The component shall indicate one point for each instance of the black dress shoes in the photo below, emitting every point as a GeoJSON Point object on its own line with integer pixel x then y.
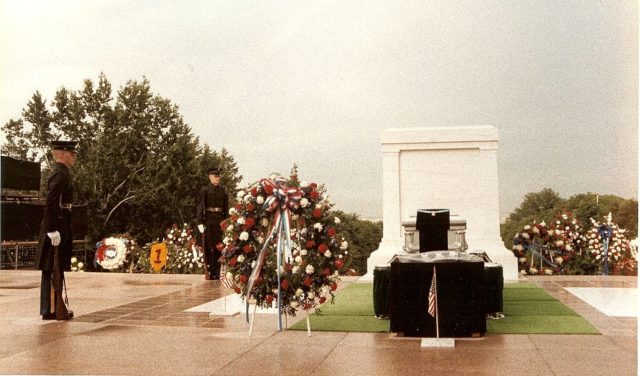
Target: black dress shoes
{"type": "Point", "coordinates": [49, 316]}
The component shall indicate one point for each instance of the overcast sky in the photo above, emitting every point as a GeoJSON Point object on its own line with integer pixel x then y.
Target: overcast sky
{"type": "Point", "coordinates": [315, 82]}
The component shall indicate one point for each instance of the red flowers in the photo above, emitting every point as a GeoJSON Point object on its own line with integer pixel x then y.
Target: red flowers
{"type": "Point", "coordinates": [331, 232]}
{"type": "Point", "coordinates": [233, 261]}
{"type": "Point", "coordinates": [268, 299]}
{"type": "Point", "coordinates": [268, 189]}
{"type": "Point", "coordinates": [247, 248]}
{"type": "Point", "coordinates": [322, 248]}
{"type": "Point", "coordinates": [322, 299]}
{"type": "Point", "coordinates": [284, 284]}
{"type": "Point", "coordinates": [254, 192]}
{"type": "Point", "coordinates": [310, 244]}
{"type": "Point", "coordinates": [220, 247]}
{"type": "Point", "coordinates": [307, 281]}
{"type": "Point", "coordinates": [249, 222]}
{"type": "Point", "coordinates": [250, 207]}
{"type": "Point", "coordinates": [242, 278]}
{"type": "Point", "coordinates": [339, 263]}
{"type": "Point", "coordinates": [314, 194]}
{"type": "Point", "coordinates": [317, 213]}
{"type": "Point", "coordinates": [333, 286]}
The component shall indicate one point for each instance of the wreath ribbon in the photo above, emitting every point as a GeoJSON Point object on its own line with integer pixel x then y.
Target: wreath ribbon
{"type": "Point", "coordinates": [282, 200]}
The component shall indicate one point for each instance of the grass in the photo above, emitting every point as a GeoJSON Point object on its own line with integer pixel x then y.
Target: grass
{"type": "Point", "coordinates": [528, 309]}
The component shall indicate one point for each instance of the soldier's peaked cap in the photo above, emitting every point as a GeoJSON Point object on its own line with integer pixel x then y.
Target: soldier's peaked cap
{"type": "Point", "coordinates": [64, 145]}
{"type": "Point", "coordinates": [214, 170]}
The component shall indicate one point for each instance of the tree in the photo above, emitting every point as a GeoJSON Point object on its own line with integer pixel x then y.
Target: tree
{"type": "Point", "coordinates": [536, 206]}
{"type": "Point", "coordinates": [363, 236]}
{"type": "Point", "coordinates": [139, 166]}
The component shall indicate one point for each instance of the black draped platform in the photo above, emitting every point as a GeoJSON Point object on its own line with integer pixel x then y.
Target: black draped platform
{"type": "Point", "coordinates": [462, 302]}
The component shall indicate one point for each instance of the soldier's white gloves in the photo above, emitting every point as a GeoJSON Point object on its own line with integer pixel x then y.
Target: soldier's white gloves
{"type": "Point", "coordinates": [55, 238]}
{"type": "Point", "coordinates": [201, 228]}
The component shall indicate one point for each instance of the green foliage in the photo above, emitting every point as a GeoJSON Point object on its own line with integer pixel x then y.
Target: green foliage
{"type": "Point", "coordinates": [138, 162]}
{"type": "Point", "coordinates": [363, 236]}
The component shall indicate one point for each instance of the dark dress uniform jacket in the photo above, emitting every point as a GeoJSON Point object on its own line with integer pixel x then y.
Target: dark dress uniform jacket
{"type": "Point", "coordinates": [212, 197]}
{"type": "Point", "coordinates": [57, 217]}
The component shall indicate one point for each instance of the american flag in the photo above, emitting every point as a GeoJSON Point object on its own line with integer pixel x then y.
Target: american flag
{"type": "Point", "coordinates": [433, 295]}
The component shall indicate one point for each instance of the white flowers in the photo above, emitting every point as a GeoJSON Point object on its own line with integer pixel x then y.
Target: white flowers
{"type": "Point", "coordinates": [344, 245]}
{"type": "Point", "coordinates": [260, 200]}
{"type": "Point", "coordinates": [304, 202]}
{"type": "Point", "coordinates": [114, 253]}
{"type": "Point", "coordinates": [240, 194]}
{"type": "Point", "coordinates": [336, 220]}
{"type": "Point", "coordinates": [309, 269]}
{"type": "Point", "coordinates": [264, 222]}
{"type": "Point", "coordinates": [327, 253]}
{"type": "Point", "coordinates": [74, 260]}
{"type": "Point", "coordinates": [241, 221]}
{"type": "Point", "coordinates": [317, 226]}
{"type": "Point", "coordinates": [244, 236]}
{"type": "Point", "coordinates": [241, 258]}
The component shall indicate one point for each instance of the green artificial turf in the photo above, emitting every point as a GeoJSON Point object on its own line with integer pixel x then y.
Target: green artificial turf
{"type": "Point", "coordinates": [528, 309]}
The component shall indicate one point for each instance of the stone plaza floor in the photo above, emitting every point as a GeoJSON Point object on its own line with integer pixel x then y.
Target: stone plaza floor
{"type": "Point", "coordinates": [133, 324]}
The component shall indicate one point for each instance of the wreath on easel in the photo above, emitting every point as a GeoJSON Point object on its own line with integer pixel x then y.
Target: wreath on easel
{"type": "Point", "coordinates": [281, 246]}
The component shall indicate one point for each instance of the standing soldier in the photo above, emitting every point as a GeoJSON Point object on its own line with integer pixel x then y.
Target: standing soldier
{"type": "Point", "coordinates": [55, 231]}
{"type": "Point", "coordinates": [212, 209]}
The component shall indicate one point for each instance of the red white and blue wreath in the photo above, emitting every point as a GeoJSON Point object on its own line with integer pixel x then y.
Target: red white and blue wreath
{"type": "Point", "coordinates": [282, 246]}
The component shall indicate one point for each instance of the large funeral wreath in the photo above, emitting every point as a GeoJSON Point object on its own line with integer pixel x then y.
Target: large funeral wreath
{"type": "Point", "coordinates": [291, 218]}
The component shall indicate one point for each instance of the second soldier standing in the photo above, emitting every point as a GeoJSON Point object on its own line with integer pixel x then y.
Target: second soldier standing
{"type": "Point", "coordinates": [213, 208]}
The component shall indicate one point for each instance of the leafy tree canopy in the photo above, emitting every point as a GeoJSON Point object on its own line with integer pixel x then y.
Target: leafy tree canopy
{"type": "Point", "coordinates": [139, 167]}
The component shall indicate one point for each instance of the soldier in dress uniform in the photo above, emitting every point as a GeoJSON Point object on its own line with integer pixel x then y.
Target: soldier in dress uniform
{"type": "Point", "coordinates": [55, 229]}
{"type": "Point", "coordinates": [213, 208]}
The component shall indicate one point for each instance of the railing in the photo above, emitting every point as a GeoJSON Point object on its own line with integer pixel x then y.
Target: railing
{"type": "Point", "coordinates": [22, 254]}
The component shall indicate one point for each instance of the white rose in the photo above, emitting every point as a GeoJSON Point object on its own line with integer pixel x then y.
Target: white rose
{"type": "Point", "coordinates": [525, 235]}
{"type": "Point", "coordinates": [336, 220]}
{"type": "Point", "coordinates": [311, 295]}
{"type": "Point", "coordinates": [295, 270]}
{"type": "Point", "coordinates": [317, 226]}
{"type": "Point", "coordinates": [318, 206]}
{"type": "Point", "coordinates": [327, 253]}
{"type": "Point", "coordinates": [309, 269]}
{"type": "Point", "coordinates": [232, 211]}
{"type": "Point", "coordinates": [264, 222]}
{"type": "Point", "coordinates": [294, 218]}
{"type": "Point", "coordinates": [170, 236]}
{"type": "Point", "coordinates": [304, 202]}
{"type": "Point", "coordinates": [304, 184]}
{"type": "Point", "coordinates": [260, 200]}
{"type": "Point", "coordinates": [244, 235]}
{"type": "Point", "coordinates": [303, 252]}
{"type": "Point", "coordinates": [543, 223]}
{"type": "Point", "coordinates": [240, 194]}
{"type": "Point", "coordinates": [260, 240]}
{"type": "Point", "coordinates": [74, 268]}
{"type": "Point", "coordinates": [523, 272]}
{"type": "Point", "coordinates": [298, 259]}
{"type": "Point", "coordinates": [227, 240]}
{"type": "Point", "coordinates": [253, 264]}
{"type": "Point", "coordinates": [74, 260]}
{"type": "Point", "coordinates": [299, 292]}
{"type": "Point", "coordinates": [241, 258]}
{"type": "Point", "coordinates": [527, 227]}
{"type": "Point", "coordinates": [548, 271]}
{"type": "Point", "coordinates": [533, 271]}
{"type": "Point", "coordinates": [248, 198]}
{"type": "Point", "coordinates": [241, 221]}
{"type": "Point", "coordinates": [344, 245]}
{"type": "Point", "coordinates": [559, 259]}
{"type": "Point", "coordinates": [80, 265]}
{"type": "Point", "coordinates": [536, 230]}
{"type": "Point", "coordinates": [230, 227]}
{"type": "Point", "coordinates": [522, 259]}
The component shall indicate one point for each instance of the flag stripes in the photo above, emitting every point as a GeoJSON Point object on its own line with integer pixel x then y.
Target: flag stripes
{"type": "Point", "coordinates": [433, 295]}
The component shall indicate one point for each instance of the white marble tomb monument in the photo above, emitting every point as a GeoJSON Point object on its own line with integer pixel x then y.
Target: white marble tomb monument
{"type": "Point", "coordinates": [442, 167]}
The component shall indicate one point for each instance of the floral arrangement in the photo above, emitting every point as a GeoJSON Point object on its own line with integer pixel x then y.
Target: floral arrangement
{"type": "Point", "coordinates": [184, 256]}
{"type": "Point", "coordinates": [76, 266]}
{"type": "Point", "coordinates": [111, 253]}
{"type": "Point", "coordinates": [552, 246]}
{"type": "Point", "coordinates": [567, 248]}
{"type": "Point", "coordinates": [619, 255]}
{"type": "Point", "coordinates": [290, 217]}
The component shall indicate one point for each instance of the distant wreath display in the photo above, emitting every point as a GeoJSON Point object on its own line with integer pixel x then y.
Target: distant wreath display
{"type": "Point", "coordinates": [281, 240]}
{"type": "Point", "coordinates": [111, 253]}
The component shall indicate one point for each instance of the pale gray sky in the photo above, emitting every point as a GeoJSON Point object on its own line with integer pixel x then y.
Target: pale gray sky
{"type": "Point", "coordinates": [315, 82]}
